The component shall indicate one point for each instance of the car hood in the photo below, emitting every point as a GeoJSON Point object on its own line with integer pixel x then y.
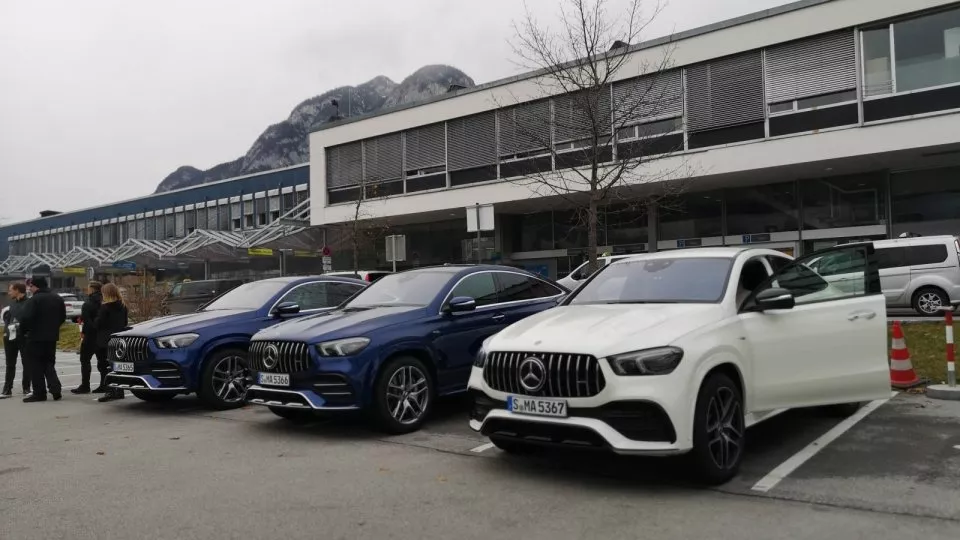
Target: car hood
{"type": "Point", "coordinates": [604, 329]}
{"type": "Point", "coordinates": [190, 322]}
{"type": "Point", "coordinates": [339, 323]}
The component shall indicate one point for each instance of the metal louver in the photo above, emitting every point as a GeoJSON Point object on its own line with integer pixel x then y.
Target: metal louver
{"type": "Point", "coordinates": [524, 127]}
{"type": "Point", "coordinates": [652, 96]}
{"type": "Point", "coordinates": [471, 141]}
{"type": "Point", "coordinates": [344, 165]}
{"type": "Point", "coordinates": [812, 67]}
{"type": "Point", "coordinates": [425, 147]}
{"type": "Point", "coordinates": [725, 92]}
{"type": "Point", "coordinates": [382, 158]}
{"type": "Point", "coordinates": [577, 116]}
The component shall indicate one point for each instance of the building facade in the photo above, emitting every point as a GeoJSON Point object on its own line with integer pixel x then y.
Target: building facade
{"type": "Point", "coordinates": [819, 122]}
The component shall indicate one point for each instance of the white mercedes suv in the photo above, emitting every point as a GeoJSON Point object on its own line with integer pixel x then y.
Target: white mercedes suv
{"type": "Point", "coordinates": [681, 351]}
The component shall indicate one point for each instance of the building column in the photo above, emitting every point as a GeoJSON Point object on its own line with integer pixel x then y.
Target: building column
{"type": "Point", "coordinates": [652, 233]}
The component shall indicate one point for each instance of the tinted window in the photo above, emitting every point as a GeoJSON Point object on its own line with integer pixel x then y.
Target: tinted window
{"type": "Point", "coordinates": [891, 257]}
{"type": "Point", "coordinates": [248, 296]}
{"type": "Point", "coordinates": [309, 296]}
{"type": "Point", "coordinates": [778, 263]}
{"type": "Point", "coordinates": [515, 287]}
{"type": "Point", "coordinates": [687, 279]}
{"type": "Point", "coordinates": [481, 287]}
{"type": "Point", "coordinates": [338, 293]}
{"type": "Point", "coordinates": [198, 288]}
{"type": "Point", "coordinates": [833, 275]}
{"type": "Point", "coordinates": [405, 289]}
{"type": "Point", "coordinates": [917, 255]}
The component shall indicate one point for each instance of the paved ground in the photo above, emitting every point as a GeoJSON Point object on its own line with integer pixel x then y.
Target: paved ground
{"type": "Point", "coordinates": [80, 469]}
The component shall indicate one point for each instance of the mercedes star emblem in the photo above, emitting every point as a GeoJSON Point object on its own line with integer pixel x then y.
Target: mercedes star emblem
{"type": "Point", "coordinates": [120, 349]}
{"type": "Point", "coordinates": [271, 356]}
{"type": "Point", "coordinates": [533, 374]}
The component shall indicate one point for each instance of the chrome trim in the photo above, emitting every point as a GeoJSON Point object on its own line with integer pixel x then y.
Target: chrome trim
{"type": "Point", "coordinates": [144, 386]}
{"type": "Point", "coordinates": [501, 304]}
{"type": "Point", "coordinates": [305, 394]}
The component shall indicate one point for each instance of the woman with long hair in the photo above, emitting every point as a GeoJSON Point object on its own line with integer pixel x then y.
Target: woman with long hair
{"type": "Point", "coordinates": [111, 318]}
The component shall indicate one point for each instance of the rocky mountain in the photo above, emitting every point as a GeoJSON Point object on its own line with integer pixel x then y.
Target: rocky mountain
{"type": "Point", "coordinates": [286, 143]}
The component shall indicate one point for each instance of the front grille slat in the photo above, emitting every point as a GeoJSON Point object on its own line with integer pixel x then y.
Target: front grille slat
{"type": "Point", "coordinates": [567, 375]}
{"type": "Point", "coordinates": [292, 357]}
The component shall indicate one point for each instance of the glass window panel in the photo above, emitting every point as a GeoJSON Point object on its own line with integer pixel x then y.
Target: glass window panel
{"type": "Point", "coordinates": [928, 51]}
{"type": "Point", "coordinates": [761, 209]}
{"type": "Point", "coordinates": [533, 232]}
{"type": "Point", "coordinates": [926, 202]}
{"type": "Point", "coordinates": [695, 215]}
{"type": "Point", "coordinates": [826, 99]}
{"type": "Point", "coordinates": [625, 225]}
{"type": "Point", "coordinates": [876, 62]}
{"type": "Point", "coordinates": [843, 201]}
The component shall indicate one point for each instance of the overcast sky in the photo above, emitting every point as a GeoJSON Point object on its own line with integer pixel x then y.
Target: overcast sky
{"type": "Point", "coordinates": [100, 99]}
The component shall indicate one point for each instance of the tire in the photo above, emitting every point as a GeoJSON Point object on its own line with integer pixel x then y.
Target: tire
{"type": "Point", "coordinates": [514, 447]}
{"type": "Point", "coordinates": [221, 368]}
{"type": "Point", "coordinates": [420, 392]}
{"type": "Point", "coordinates": [298, 416]}
{"type": "Point", "coordinates": [718, 451]}
{"type": "Point", "coordinates": [927, 301]}
{"type": "Point", "coordinates": [153, 397]}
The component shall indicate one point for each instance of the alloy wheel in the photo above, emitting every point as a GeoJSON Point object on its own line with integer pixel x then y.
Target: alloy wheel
{"type": "Point", "coordinates": [407, 394]}
{"type": "Point", "coordinates": [929, 303]}
{"type": "Point", "coordinates": [228, 379]}
{"type": "Point", "coordinates": [725, 428]}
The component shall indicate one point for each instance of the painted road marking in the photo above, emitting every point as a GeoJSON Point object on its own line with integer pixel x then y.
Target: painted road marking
{"type": "Point", "coordinates": [482, 448]}
{"type": "Point", "coordinates": [770, 481]}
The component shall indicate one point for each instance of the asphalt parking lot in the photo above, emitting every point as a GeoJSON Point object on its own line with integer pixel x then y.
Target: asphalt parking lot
{"type": "Point", "coordinates": [81, 469]}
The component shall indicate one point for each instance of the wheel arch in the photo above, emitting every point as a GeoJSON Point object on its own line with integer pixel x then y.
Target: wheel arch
{"type": "Point", "coordinates": [215, 346]}
{"type": "Point", "coordinates": [725, 362]}
{"type": "Point", "coordinates": [414, 350]}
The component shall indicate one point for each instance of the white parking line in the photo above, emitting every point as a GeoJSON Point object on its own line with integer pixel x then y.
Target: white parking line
{"type": "Point", "coordinates": [482, 448]}
{"type": "Point", "coordinates": [770, 481]}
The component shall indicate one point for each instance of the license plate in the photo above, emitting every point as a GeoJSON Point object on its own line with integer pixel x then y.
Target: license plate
{"type": "Point", "coordinates": [275, 379]}
{"type": "Point", "coordinates": [123, 367]}
{"type": "Point", "coordinates": [537, 406]}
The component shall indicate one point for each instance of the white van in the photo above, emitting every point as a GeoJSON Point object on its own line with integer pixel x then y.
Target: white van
{"type": "Point", "coordinates": [575, 278]}
{"type": "Point", "coordinates": [919, 272]}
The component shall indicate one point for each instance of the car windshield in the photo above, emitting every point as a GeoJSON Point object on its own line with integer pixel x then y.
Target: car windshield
{"type": "Point", "coordinates": [69, 298]}
{"type": "Point", "coordinates": [248, 296]}
{"type": "Point", "coordinates": [404, 289]}
{"type": "Point", "coordinates": [658, 281]}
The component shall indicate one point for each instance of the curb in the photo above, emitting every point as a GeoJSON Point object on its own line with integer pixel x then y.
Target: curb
{"type": "Point", "coordinates": [944, 392]}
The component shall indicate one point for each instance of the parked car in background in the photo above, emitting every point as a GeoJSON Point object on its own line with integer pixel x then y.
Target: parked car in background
{"type": "Point", "coordinates": [206, 351]}
{"type": "Point", "coordinates": [188, 296]}
{"type": "Point", "coordinates": [366, 275]}
{"type": "Point", "coordinates": [394, 347]}
{"type": "Point", "coordinates": [919, 272]}
{"type": "Point", "coordinates": [679, 352]}
{"type": "Point", "coordinates": [577, 277]}
{"type": "Point", "coordinates": [73, 305]}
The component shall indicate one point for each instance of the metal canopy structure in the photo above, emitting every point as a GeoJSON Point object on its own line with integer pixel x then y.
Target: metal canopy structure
{"type": "Point", "coordinates": [290, 231]}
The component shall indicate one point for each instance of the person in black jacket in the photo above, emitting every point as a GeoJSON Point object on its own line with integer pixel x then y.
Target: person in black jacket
{"type": "Point", "coordinates": [13, 340]}
{"type": "Point", "coordinates": [88, 340]}
{"type": "Point", "coordinates": [111, 318]}
{"type": "Point", "coordinates": [40, 321]}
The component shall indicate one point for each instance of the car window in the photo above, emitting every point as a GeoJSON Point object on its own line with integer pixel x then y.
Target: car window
{"type": "Point", "coordinates": [417, 288]}
{"type": "Point", "coordinates": [658, 281]}
{"type": "Point", "coordinates": [753, 274]}
{"type": "Point", "coordinates": [778, 263]}
{"type": "Point", "coordinates": [514, 287]}
{"type": "Point", "coordinates": [249, 296]}
{"type": "Point", "coordinates": [69, 298]}
{"type": "Point", "coordinates": [309, 296]}
{"type": "Point", "coordinates": [893, 257]}
{"type": "Point", "coordinates": [932, 254]}
{"type": "Point", "coordinates": [175, 291]}
{"type": "Point", "coordinates": [481, 287]}
{"type": "Point", "coordinates": [339, 293]}
{"type": "Point", "coordinates": [198, 288]}
{"type": "Point", "coordinates": [841, 273]}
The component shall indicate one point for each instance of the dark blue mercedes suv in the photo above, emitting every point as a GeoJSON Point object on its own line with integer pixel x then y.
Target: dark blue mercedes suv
{"type": "Point", "coordinates": [395, 346]}
{"type": "Point", "coordinates": [206, 351]}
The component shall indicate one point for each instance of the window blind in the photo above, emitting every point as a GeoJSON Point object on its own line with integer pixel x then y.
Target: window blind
{"type": "Point", "coordinates": [725, 92]}
{"type": "Point", "coordinates": [812, 67]}
{"type": "Point", "coordinates": [344, 165]}
{"type": "Point", "coordinates": [382, 158]}
{"type": "Point", "coordinates": [575, 115]}
{"type": "Point", "coordinates": [524, 127]}
{"type": "Point", "coordinates": [425, 147]}
{"type": "Point", "coordinates": [648, 97]}
{"type": "Point", "coordinates": [471, 141]}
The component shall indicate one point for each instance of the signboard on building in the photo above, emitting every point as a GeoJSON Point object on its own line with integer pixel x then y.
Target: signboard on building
{"type": "Point", "coordinates": [689, 243]}
{"type": "Point", "coordinates": [259, 252]}
{"type": "Point", "coordinates": [327, 264]}
{"type": "Point", "coordinates": [74, 270]}
{"type": "Point", "coordinates": [305, 253]}
{"type": "Point", "coordinates": [396, 248]}
{"type": "Point", "coordinates": [125, 265]}
{"type": "Point", "coordinates": [480, 218]}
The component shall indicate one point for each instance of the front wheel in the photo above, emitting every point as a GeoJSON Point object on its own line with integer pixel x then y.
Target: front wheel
{"type": "Point", "coordinates": [223, 379]}
{"type": "Point", "coordinates": [152, 397]}
{"type": "Point", "coordinates": [403, 396]}
{"type": "Point", "coordinates": [718, 430]}
{"type": "Point", "coordinates": [294, 415]}
{"type": "Point", "coordinates": [929, 300]}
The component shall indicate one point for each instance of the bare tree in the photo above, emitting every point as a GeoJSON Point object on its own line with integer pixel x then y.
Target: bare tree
{"type": "Point", "coordinates": [600, 113]}
{"type": "Point", "coordinates": [363, 230]}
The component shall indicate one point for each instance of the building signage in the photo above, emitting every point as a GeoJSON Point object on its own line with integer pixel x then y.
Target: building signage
{"type": "Point", "coordinates": [75, 270]}
{"type": "Point", "coordinates": [756, 238]}
{"type": "Point", "coordinates": [125, 265]}
{"type": "Point", "coordinates": [259, 252]}
{"type": "Point", "coordinates": [305, 253]}
{"type": "Point", "coordinates": [689, 243]}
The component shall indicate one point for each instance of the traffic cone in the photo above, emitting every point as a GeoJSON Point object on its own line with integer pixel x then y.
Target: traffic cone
{"type": "Point", "coordinates": [902, 374]}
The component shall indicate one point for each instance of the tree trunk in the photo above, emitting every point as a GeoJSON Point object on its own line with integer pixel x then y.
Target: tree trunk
{"type": "Point", "coordinates": [592, 234]}
{"type": "Point", "coordinates": [356, 251]}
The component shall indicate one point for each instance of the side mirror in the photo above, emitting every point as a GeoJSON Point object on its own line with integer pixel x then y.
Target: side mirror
{"type": "Point", "coordinates": [461, 304]}
{"type": "Point", "coordinates": [285, 308]}
{"type": "Point", "coordinates": [775, 298]}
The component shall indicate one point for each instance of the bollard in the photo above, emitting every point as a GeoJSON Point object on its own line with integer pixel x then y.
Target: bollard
{"type": "Point", "coordinates": [948, 329]}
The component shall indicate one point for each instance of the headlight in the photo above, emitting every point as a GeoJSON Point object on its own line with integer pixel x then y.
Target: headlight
{"type": "Point", "coordinates": [481, 357]}
{"type": "Point", "coordinates": [176, 341]}
{"type": "Point", "coordinates": [659, 361]}
{"type": "Point", "coordinates": [343, 347]}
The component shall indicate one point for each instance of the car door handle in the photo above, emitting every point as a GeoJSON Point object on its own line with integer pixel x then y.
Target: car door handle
{"type": "Point", "coordinates": [861, 315]}
{"type": "Point", "coordinates": [499, 317]}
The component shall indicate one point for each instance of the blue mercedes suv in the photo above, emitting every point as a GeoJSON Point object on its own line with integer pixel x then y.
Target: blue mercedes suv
{"type": "Point", "coordinates": [206, 351]}
{"type": "Point", "coordinates": [395, 346]}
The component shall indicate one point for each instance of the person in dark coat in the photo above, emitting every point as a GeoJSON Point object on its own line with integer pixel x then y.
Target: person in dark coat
{"type": "Point", "coordinates": [40, 321]}
{"type": "Point", "coordinates": [88, 340]}
{"type": "Point", "coordinates": [13, 340]}
{"type": "Point", "coordinates": [111, 318]}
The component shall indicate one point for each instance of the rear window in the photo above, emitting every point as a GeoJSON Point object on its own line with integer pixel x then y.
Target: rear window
{"type": "Point", "coordinates": [896, 257]}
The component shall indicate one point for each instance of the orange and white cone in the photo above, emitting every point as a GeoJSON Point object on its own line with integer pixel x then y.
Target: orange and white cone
{"type": "Point", "coordinates": [902, 374]}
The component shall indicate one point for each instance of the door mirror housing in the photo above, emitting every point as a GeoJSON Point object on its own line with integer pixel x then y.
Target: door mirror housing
{"type": "Point", "coordinates": [285, 308]}
{"type": "Point", "coordinates": [774, 298]}
{"type": "Point", "coordinates": [461, 304]}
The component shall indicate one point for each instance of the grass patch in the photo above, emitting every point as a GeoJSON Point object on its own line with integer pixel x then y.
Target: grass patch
{"type": "Point", "coordinates": [69, 337]}
{"type": "Point", "coordinates": [927, 344]}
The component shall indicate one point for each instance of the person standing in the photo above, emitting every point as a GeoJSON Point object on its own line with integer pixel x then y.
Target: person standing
{"type": "Point", "coordinates": [111, 318]}
{"type": "Point", "coordinates": [13, 340]}
{"type": "Point", "coordinates": [88, 340]}
{"type": "Point", "coordinates": [40, 321]}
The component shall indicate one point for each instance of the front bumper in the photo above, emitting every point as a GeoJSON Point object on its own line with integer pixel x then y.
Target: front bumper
{"type": "Point", "coordinates": [292, 398]}
{"type": "Point", "coordinates": [132, 381]}
{"type": "Point", "coordinates": [631, 416]}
